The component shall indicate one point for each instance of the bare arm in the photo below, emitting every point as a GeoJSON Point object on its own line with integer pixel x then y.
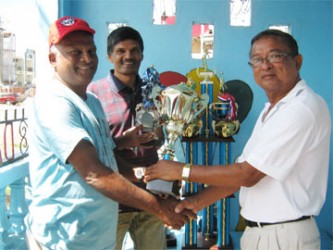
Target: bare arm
{"type": "Point", "coordinates": [85, 160]}
{"type": "Point", "coordinates": [232, 175]}
{"type": "Point", "coordinates": [204, 198]}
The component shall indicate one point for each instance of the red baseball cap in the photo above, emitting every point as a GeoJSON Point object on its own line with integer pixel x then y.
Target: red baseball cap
{"type": "Point", "coordinates": [66, 25]}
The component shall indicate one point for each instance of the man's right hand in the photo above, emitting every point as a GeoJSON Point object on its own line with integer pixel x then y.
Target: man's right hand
{"type": "Point", "coordinates": [133, 137]}
{"type": "Point", "coordinates": [190, 204]}
{"type": "Point", "coordinates": [170, 217]}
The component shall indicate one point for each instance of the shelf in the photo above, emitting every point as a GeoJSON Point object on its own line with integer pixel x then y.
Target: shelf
{"type": "Point", "coordinates": [207, 139]}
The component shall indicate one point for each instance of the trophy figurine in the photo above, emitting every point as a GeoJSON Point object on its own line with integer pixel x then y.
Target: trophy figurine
{"type": "Point", "coordinates": [179, 106]}
{"type": "Point", "coordinates": [146, 112]}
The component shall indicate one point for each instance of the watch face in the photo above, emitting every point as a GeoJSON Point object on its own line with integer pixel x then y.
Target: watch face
{"type": "Point", "coordinates": [139, 172]}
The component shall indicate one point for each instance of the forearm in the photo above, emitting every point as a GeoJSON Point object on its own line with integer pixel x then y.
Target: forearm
{"type": "Point", "coordinates": [116, 187]}
{"type": "Point", "coordinates": [119, 189]}
{"type": "Point", "coordinates": [85, 160]}
{"type": "Point", "coordinates": [219, 175]}
{"type": "Point", "coordinates": [232, 175]}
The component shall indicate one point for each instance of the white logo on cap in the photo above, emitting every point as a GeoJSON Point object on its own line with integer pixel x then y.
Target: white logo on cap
{"type": "Point", "coordinates": [68, 21]}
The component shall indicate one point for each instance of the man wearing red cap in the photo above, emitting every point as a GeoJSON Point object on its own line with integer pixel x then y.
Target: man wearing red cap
{"type": "Point", "coordinates": [74, 176]}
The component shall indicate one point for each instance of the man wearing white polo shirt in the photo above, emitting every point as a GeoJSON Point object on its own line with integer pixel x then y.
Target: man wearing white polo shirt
{"type": "Point", "coordinates": [282, 172]}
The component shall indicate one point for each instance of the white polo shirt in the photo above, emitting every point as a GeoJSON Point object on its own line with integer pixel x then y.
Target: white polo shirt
{"type": "Point", "coordinates": [291, 146]}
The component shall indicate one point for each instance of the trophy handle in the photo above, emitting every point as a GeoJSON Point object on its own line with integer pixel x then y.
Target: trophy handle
{"type": "Point", "coordinates": [236, 122]}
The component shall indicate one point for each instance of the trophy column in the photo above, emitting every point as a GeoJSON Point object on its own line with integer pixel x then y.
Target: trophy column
{"type": "Point", "coordinates": [215, 219]}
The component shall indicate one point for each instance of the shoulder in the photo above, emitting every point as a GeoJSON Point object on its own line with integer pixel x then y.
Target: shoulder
{"type": "Point", "coordinates": [307, 111]}
{"type": "Point", "coordinates": [310, 102]}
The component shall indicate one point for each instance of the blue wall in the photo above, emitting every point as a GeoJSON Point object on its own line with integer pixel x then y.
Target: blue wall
{"type": "Point", "coordinates": [169, 48]}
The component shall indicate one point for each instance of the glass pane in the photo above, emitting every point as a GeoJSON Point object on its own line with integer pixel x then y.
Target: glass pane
{"type": "Point", "coordinates": [240, 12]}
{"type": "Point", "coordinates": [164, 12]}
{"type": "Point", "coordinates": [202, 40]}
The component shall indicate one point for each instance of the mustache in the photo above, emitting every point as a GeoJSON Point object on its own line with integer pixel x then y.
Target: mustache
{"type": "Point", "coordinates": [130, 61]}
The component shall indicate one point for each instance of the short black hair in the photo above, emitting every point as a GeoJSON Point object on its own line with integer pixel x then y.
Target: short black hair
{"type": "Point", "coordinates": [121, 34]}
{"type": "Point", "coordinates": [286, 38]}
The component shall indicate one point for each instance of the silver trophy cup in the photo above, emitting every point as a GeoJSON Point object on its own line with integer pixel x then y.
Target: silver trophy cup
{"type": "Point", "coordinates": [179, 106]}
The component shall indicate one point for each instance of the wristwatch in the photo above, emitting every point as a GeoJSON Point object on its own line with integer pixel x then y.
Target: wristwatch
{"type": "Point", "coordinates": [186, 172]}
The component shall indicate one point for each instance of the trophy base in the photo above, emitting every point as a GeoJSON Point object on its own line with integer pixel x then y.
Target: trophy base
{"type": "Point", "coordinates": [161, 187]}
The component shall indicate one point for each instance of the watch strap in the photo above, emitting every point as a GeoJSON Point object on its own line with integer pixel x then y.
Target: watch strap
{"type": "Point", "coordinates": [186, 172]}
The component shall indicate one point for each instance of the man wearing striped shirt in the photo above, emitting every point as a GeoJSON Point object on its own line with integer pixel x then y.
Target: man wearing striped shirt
{"type": "Point", "coordinates": [119, 93]}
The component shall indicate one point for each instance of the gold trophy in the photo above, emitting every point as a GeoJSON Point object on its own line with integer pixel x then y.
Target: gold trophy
{"type": "Point", "coordinates": [179, 107]}
{"type": "Point", "coordinates": [225, 122]}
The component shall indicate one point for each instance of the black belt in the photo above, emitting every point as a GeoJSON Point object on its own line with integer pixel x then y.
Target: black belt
{"type": "Point", "coordinates": [261, 224]}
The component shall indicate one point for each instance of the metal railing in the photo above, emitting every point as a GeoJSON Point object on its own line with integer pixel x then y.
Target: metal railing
{"type": "Point", "coordinates": [14, 169]}
{"type": "Point", "coordinates": [13, 144]}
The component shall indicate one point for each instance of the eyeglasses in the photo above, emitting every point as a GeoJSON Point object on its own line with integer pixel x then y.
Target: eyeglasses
{"type": "Point", "coordinates": [256, 62]}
